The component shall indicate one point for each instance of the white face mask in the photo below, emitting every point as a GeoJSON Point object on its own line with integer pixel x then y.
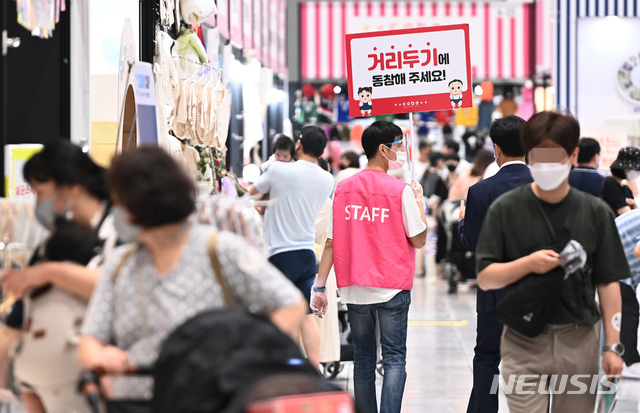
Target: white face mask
{"type": "Point", "coordinates": [549, 176]}
{"type": "Point", "coordinates": [127, 232]}
{"type": "Point", "coordinates": [633, 175]}
{"type": "Point", "coordinates": [401, 160]}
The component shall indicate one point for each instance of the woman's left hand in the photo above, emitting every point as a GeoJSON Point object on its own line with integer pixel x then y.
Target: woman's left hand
{"type": "Point", "coordinates": [16, 282]}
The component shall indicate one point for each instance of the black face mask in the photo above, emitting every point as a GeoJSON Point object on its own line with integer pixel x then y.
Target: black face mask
{"type": "Point", "coordinates": [342, 167]}
{"type": "Point", "coordinates": [452, 168]}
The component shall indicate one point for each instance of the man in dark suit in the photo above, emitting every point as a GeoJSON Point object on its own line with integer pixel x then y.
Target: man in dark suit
{"type": "Point", "coordinates": [585, 176]}
{"type": "Point", "coordinates": [505, 134]}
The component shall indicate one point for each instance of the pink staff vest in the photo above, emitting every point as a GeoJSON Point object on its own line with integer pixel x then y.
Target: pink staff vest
{"type": "Point", "coordinates": [370, 247]}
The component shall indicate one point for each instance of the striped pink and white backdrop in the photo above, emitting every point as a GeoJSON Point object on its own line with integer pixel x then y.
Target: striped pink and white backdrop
{"type": "Point", "coordinates": [499, 32]}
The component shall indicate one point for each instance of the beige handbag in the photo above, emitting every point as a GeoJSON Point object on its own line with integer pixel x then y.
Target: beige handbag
{"type": "Point", "coordinates": [46, 355]}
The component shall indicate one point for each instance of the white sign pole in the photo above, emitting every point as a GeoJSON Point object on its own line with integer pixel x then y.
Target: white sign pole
{"type": "Point", "coordinates": [412, 147]}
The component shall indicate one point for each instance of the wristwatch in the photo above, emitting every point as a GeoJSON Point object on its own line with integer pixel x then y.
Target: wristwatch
{"type": "Point", "coordinates": [617, 348]}
{"type": "Point", "coordinates": [319, 289]}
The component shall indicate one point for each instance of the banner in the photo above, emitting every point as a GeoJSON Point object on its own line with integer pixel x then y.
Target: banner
{"type": "Point", "coordinates": [223, 18]}
{"type": "Point", "coordinates": [499, 32]}
{"type": "Point", "coordinates": [235, 22]}
{"type": "Point", "coordinates": [265, 33]}
{"type": "Point", "coordinates": [273, 34]}
{"type": "Point", "coordinates": [410, 70]}
{"type": "Point", "coordinates": [257, 28]}
{"type": "Point", "coordinates": [282, 33]}
{"type": "Point", "coordinates": [247, 24]}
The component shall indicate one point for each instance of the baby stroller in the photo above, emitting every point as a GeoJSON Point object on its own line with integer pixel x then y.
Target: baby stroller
{"type": "Point", "coordinates": [227, 361]}
{"type": "Point", "coordinates": [457, 257]}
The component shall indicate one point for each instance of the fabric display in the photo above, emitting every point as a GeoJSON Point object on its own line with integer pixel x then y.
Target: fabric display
{"type": "Point", "coordinates": [197, 11]}
{"type": "Point", "coordinates": [167, 12]}
{"type": "Point", "coordinates": [190, 46]}
{"type": "Point", "coordinates": [193, 106]}
{"type": "Point", "coordinates": [167, 91]}
{"type": "Point", "coordinates": [40, 16]}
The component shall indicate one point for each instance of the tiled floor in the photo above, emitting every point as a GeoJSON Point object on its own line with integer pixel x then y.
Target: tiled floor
{"type": "Point", "coordinates": [440, 354]}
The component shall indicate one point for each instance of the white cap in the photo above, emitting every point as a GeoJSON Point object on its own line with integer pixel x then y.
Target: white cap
{"type": "Point", "coordinates": [197, 11]}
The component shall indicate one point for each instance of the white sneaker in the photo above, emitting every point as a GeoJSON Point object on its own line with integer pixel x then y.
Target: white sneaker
{"type": "Point", "coordinates": [632, 372]}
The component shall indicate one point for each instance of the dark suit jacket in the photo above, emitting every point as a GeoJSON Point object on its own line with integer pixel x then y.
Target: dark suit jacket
{"type": "Point", "coordinates": [479, 198]}
{"type": "Point", "coordinates": [587, 180]}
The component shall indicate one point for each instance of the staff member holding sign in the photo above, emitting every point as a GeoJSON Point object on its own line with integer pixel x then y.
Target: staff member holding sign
{"type": "Point", "coordinates": [378, 221]}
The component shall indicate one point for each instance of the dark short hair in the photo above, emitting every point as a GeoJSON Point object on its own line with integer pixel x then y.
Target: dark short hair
{"type": "Point", "coordinates": [619, 173]}
{"type": "Point", "coordinates": [481, 161]}
{"type": "Point", "coordinates": [589, 148]}
{"type": "Point", "coordinates": [434, 157]}
{"type": "Point", "coordinates": [282, 142]}
{"type": "Point", "coordinates": [452, 157]}
{"type": "Point", "coordinates": [324, 164]}
{"type": "Point", "coordinates": [381, 132]}
{"type": "Point", "coordinates": [454, 81]}
{"type": "Point", "coordinates": [505, 133]}
{"type": "Point", "coordinates": [424, 144]}
{"type": "Point", "coordinates": [353, 158]}
{"type": "Point", "coordinates": [453, 145]}
{"type": "Point", "coordinates": [152, 187]}
{"type": "Point", "coordinates": [365, 89]}
{"type": "Point", "coordinates": [72, 242]}
{"type": "Point", "coordinates": [64, 163]}
{"type": "Point", "coordinates": [313, 140]}
{"type": "Point", "coordinates": [564, 130]}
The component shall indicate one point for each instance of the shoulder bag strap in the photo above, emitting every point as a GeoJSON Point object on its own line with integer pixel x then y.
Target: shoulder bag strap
{"type": "Point", "coordinates": [575, 197]}
{"type": "Point", "coordinates": [564, 236]}
{"type": "Point", "coordinates": [123, 261]}
{"type": "Point", "coordinates": [215, 263]}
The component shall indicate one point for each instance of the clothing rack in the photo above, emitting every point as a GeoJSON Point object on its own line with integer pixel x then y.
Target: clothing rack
{"type": "Point", "coordinates": [20, 232]}
{"type": "Point", "coordinates": [201, 64]}
{"type": "Point", "coordinates": [237, 215]}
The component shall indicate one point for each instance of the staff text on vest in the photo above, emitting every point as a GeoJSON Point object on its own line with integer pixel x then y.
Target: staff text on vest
{"type": "Point", "coordinates": [380, 213]}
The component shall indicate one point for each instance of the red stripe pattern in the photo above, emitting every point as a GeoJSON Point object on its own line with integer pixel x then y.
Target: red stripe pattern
{"type": "Point", "coordinates": [330, 57]}
{"type": "Point", "coordinates": [499, 33]}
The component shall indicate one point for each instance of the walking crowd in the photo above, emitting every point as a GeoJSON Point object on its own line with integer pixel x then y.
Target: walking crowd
{"type": "Point", "coordinates": [531, 222]}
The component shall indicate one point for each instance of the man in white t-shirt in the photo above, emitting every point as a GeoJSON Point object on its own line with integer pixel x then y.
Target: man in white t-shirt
{"type": "Point", "coordinates": [422, 163]}
{"type": "Point", "coordinates": [377, 222]}
{"type": "Point", "coordinates": [300, 190]}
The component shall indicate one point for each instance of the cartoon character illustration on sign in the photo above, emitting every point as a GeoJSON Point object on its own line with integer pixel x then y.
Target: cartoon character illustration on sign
{"type": "Point", "coordinates": [455, 93]}
{"type": "Point", "coordinates": [364, 93]}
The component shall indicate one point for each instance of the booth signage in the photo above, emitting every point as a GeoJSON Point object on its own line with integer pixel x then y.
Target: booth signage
{"type": "Point", "coordinates": [409, 70]}
{"type": "Point", "coordinates": [15, 156]}
{"type": "Point", "coordinates": [145, 104]}
{"type": "Point", "coordinates": [611, 140]}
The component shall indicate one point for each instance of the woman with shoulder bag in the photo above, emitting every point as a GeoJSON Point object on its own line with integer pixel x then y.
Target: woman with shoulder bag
{"type": "Point", "coordinates": [150, 288]}
{"type": "Point", "coordinates": [69, 186]}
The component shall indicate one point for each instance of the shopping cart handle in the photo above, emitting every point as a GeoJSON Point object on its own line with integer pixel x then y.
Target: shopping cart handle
{"type": "Point", "coordinates": [142, 370]}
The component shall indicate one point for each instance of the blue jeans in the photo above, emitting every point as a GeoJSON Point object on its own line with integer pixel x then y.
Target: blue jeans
{"type": "Point", "coordinates": [393, 316]}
